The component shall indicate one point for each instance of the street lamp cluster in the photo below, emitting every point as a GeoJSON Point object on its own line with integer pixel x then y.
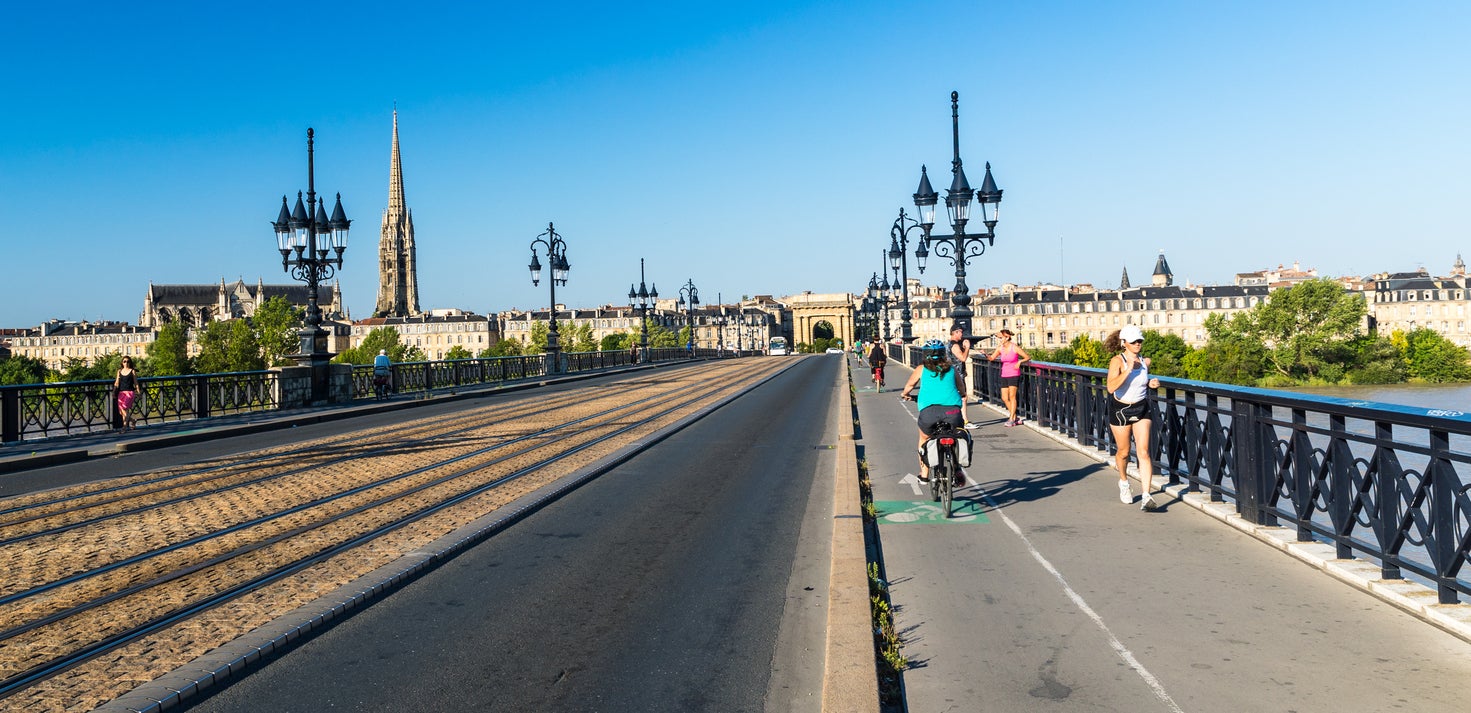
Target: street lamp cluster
{"type": "Point", "coordinates": [959, 246]}
{"type": "Point", "coordinates": [311, 246]}
{"type": "Point", "coordinates": [556, 249]}
{"type": "Point", "coordinates": [642, 300]}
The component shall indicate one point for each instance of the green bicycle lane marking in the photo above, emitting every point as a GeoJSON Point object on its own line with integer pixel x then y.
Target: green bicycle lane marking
{"type": "Point", "coordinates": [913, 512]}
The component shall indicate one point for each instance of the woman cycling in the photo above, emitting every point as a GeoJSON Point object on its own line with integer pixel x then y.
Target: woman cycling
{"type": "Point", "coordinates": [939, 398]}
{"type": "Point", "coordinates": [877, 359]}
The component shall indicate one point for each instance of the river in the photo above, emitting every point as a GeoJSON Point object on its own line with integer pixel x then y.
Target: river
{"type": "Point", "coordinates": [1449, 397]}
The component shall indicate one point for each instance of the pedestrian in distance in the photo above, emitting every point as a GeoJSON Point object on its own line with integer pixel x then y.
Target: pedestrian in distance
{"type": "Point", "coordinates": [1011, 357]}
{"type": "Point", "coordinates": [939, 399]}
{"type": "Point", "coordinates": [125, 386]}
{"type": "Point", "coordinates": [1129, 414]}
{"type": "Point", "coordinates": [960, 357]}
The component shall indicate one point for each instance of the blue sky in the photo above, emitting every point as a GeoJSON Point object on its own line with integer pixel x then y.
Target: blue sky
{"type": "Point", "coordinates": [756, 148]}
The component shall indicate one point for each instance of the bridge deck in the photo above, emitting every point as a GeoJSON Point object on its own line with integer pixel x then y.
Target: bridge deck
{"type": "Point", "coordinates": [1050, 594]}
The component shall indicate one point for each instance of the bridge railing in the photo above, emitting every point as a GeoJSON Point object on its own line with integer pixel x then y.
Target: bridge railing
{"type": "Point", "coordinates": [44, 410]}
{"type": "Point", "coordinates": [1385, 482]}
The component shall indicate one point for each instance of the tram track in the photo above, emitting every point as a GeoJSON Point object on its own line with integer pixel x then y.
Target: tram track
{"type": "Point", "coordinates": [61, 619]}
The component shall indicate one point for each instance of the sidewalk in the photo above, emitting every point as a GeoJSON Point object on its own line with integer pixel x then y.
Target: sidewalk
{"type": "Point", "coordinates": [1047, 593]}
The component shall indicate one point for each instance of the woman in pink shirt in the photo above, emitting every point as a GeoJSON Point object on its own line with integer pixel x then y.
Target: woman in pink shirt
{"type": "Point", "coordinates": [1011, 357]}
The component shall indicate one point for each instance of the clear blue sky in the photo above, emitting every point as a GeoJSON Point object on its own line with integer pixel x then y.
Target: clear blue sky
{"type": "Point", "coordinates": [758, 147]}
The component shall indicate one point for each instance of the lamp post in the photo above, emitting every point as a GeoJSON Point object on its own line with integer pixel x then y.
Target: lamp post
{"type": "Point", "coordinates": [556, 249]}
{"type": "Point", "coordinates": [311, 246]}
{"type": "Point", "coordinates": [720, 325]}
{"type": "Point", "coordinates": [898, 243]}
{"type": "Point", "coordinates": [885, 295]}
{"type": "Point", "coordinates": [689, 296]}
{"type": "Point", "coordinates": [641, 300]}
{"type": "Point", "coordinates": [958, 247]}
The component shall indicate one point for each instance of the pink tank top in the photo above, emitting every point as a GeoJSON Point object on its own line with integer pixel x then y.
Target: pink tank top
{"type": "Point", "coordinates": [1011, 363]}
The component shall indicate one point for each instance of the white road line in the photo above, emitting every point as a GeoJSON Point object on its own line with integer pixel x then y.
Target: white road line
{"type": "Point", "coordinates": [1118, 646]}
{"type": "Point", "coordinates": [1113, 641]}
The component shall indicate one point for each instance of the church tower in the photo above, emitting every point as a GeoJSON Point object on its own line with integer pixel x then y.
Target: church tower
{"type": "Point", "coordinates": [398, 282]}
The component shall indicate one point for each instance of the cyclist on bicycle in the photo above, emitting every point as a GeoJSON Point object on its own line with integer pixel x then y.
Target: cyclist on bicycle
{"type": "Point", "coordinates": [939, 398]}
{"type": "Point", "coordinates": [877, 359]}
{"type": "Point", "coordinates": [382, 371]}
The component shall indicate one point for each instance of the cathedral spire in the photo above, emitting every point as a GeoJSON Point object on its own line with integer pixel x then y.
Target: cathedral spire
{"type": "Point", "coordinates": [398, 285]}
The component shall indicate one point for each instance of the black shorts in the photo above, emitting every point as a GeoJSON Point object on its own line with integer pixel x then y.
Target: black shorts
{"type": "Point", "coordinates": [1011, 381]}
{"type": "Point", "coordinates": [1122, 414]}
{"type": "Point", "coordinates": [939, 413]}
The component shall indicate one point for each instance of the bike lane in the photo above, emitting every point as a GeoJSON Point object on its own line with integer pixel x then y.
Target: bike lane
{"type": "Point", "coordinates": [1050, 594]}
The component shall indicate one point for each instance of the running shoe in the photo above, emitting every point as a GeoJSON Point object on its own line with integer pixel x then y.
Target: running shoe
{"type": "Point", "coordinates": [972, 425]}
{"type": "Point", "coordinates": [1124, 495]}
{"type": "Point", "coordinates": [1148, 504]}
{"type": "Point", "coordinates": [1009, 424]}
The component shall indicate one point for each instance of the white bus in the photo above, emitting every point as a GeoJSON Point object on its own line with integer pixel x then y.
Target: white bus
{"type": "Point", "coordinates": [778, 346]}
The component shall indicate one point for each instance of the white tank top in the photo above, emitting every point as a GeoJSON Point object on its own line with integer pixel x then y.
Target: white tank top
{"type": "Point", "coordinates": [1136, 384]}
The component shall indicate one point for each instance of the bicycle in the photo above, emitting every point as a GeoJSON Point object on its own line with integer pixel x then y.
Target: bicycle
{"type": "Point", "coordinates": [380, 386]}
{"type": "Point", "coordinates": [878, 376]}
{"type": "Point", "coordinates": [944, 463]}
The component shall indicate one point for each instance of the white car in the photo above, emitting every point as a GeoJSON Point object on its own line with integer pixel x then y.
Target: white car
{"type": "Point", "coordinates": [834, 350]}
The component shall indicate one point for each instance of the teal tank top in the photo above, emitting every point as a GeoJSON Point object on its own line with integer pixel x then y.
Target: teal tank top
{"type": "Point", "coordinates": [937, 389]}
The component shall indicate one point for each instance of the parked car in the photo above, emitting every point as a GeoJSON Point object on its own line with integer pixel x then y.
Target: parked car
{"type": "Point", "coordinates": [834, 350]}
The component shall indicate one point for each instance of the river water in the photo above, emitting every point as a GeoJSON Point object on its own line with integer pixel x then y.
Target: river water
{"type": "Point", "coordinates": [1449, 397]}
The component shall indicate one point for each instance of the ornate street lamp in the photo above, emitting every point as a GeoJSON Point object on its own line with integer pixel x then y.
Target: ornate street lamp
{"type": "Point", "coordinates": [720, 323]}
{"type": "Point", "coordinates": [958, 247]}
{"type": "Point", "coordinates": [898, 244]}
{"type": "Point", "coordinates": [689, 296]}
{"type": "Point", "coordinates": [885, 296]}
{"type": "Point", "coordinates": [556, 249]}
{"type": "Point", "coordinates": [642, 300]}
{"type": "Point", "coordinates": [311, 246]}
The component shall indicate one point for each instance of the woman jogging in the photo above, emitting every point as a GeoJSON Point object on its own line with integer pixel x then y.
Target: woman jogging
{"type": "Point", "coordinates": [939, 399]}
{"type": "Point", "coordinates": [1128, 409]}
{"type": "Point", "coordinates": [1011, 357]}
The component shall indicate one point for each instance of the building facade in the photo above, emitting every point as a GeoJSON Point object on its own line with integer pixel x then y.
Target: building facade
{"type": "Point", "coordinates": [398, 281]}
{"type": "Point", "coordinates": [198, 305]}
{"type": "Point", "coordinates": [436, 332]}
{"type": "Point", "coordinates": [57, 341]}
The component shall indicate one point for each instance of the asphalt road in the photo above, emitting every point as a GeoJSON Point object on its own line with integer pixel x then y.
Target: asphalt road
{"type": "Point", "coordinates": [690, 578]}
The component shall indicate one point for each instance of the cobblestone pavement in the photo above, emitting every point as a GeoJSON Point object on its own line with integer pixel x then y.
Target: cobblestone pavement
{"type": "Point", "coordinates": [96, 560]}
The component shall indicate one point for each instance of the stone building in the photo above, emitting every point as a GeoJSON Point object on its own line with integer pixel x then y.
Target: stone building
{"type": "Point", "coordinates": [398, 281]}
{"type": "Point", "coordinates": [56, 341]}
{"type": "Point", "coordinates": [436, 332]}
{"type": "Point", "coordinates": [198, 305]}
{"type": "Point", "coordinates": [1404, 301]}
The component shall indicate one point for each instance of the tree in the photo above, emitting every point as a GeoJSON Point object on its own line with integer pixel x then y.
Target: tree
{"type": "Point", "coordinates": [538, 338]}
{"type": "Point", "coordinates": [616, 342]}
{"type": "Point", "coordinates": [504, 347]}
{"type": "Point", "coordinates": [457, 352]}
{"type": "Point", "coordinates": [228, 346]}
{"type": "Point", "coordinates": [1166, 353]}
{"type": "Point", "coordinates": [1088, 351]}
{"type": "Point", "coordinates": [1431, 357]}
{"type": "Point", "coordinates": [21, 369]}
{"type": "Point", "coordinates": [381, 339]}
{"type": "Point", "coordinates": [168, 355]}
{"type": "Point", "coordinates": [1303, 324]}
{"type": "Point", "coordinates": [1377, 361]}
{"type": "Point", "coordinates": [661, 338]}
{"type": "Point", "coordinates": [580, 339]}
{"type": "Point", "coordinates": [276, 324]}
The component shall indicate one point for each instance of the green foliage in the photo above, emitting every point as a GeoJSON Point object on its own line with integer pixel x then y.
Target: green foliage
{"type": "Point", "coordinates": [538, 342]}
{"type": "Point", "coordinates": [661, 338]}
{"type": "Point", "coordinates": [1231, 360]}
{"type": "Point", "coordinates": [18, 369]}
{"type": "Point", "coordinates": [821, 344]}
{"type": "Point", "coordinates": [822, 331]}
{"type": "Point", "coordinates": [457, 352]}
{"type": "Point", "coordinates": [1433, 358]}
{"type": "Point", "coordinates": [1088, 351]}
{"type": "Point", "coordinates": [168, 355]}
{"type": "Point", "coordinates": [504, 347]}
{"type": "Point", "coordinates": [1304, 324]}
{"type": "Point", "coordinates": [580, 339]}
{"type": "Point", "coordinates": [1377, 361]}
{"type": "Point", "coordinates": [276, 324]}
{"type": "Point", "coordinates": [615, 342]}
{"type": "Point", "coordinates": [382, 338]}
{"type": "Point", "coordinates": [228, 346]}
{"type": "Point", "coordinates": [1166, 353]}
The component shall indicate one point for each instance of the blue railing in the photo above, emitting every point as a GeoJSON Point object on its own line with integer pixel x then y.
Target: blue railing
{"type": "Point", "coordinates": [1386, 482]}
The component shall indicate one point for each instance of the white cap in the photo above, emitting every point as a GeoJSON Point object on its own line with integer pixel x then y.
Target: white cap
{"type": "Point", "coordinates": [1130, 333]}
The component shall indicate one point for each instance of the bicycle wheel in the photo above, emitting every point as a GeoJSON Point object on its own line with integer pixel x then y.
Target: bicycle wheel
{"type": "Point", "coordinates": [947, 486]}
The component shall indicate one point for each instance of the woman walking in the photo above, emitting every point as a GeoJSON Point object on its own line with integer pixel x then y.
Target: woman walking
{"type": "Point", "coordinates": [1128, 409]}
{"type": "Point", "coordinates": [1011, 357]}
{"type": "Point", "coordinates": [125, 385]}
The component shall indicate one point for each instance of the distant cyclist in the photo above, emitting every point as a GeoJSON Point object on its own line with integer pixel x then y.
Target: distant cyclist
{"type": "Point", "coordinates": [877, 360]}
{"type": "Point", "coordinates": [382, 371]}
{"type": "Point", "coordinates": [939, 398]}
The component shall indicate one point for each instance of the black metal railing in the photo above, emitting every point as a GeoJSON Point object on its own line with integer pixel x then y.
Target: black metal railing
{"type": "Point", "coordinates": [1385, 482]}
{"type": "Point", "coordinates": [43, 410]}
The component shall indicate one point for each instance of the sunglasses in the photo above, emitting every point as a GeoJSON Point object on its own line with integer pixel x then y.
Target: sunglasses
{"type": "Point", "coordinates": [1137, 341]}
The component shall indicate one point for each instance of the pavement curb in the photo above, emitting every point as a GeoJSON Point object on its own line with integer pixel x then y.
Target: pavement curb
{"type": "Point", "coordinates": [1411, 597]}
{"type": "Point", "coordinates": [850, 676]}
